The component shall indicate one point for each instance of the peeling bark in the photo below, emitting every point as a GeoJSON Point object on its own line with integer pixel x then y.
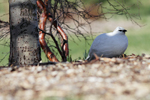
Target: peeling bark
{"type": "Point", "coordinates": [64, 51]}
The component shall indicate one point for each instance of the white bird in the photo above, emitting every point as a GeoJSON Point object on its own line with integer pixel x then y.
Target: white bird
{"type": "Point", "coordinates": [109, 44]}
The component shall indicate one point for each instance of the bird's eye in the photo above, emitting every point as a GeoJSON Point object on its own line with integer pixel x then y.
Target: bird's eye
{"type": "Point", "coordinates": [120, 30]}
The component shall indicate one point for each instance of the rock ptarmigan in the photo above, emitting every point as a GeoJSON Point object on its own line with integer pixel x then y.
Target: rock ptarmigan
{"type": "Point", "coordinates": [109, 44]}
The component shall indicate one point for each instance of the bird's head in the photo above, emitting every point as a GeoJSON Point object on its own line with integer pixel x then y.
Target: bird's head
{"type": "Point", "coordinates": [119, 30]}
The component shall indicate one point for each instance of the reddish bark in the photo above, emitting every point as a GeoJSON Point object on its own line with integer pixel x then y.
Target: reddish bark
{"type": "Point", "coordinates": [44, 46]}
{"type": "Point", "coordinates": [64, 46]}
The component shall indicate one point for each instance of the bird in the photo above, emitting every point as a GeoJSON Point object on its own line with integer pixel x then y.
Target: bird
{"type": "Point", "coordinates": [109, 45]}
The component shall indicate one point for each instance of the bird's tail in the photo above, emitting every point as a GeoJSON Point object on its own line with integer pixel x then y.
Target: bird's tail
{"type": "Point", "coordinates": [88, 58]}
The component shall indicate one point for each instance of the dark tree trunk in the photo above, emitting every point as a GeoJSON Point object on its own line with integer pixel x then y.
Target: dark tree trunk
{"type": "Point", "coordinates": [24, 38]}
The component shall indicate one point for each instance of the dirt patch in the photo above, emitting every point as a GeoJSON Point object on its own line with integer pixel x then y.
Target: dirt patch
{"type": "Point", "coordinates": [105, 79]}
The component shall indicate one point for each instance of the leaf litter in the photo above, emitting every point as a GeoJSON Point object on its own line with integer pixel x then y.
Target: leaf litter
{"type": "Point", "coordinates": [101, 79]}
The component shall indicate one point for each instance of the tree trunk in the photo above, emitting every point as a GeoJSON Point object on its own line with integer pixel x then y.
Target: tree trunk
{"type": "Point", "coordinates": [24, 38]}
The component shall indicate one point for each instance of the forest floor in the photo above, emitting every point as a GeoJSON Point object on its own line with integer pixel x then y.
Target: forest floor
{"type": "Point", "coordinates": [102, 79]}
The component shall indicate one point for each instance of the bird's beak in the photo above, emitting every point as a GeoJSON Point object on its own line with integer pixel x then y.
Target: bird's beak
{"type": "Point", "coordinates": [124, 30]}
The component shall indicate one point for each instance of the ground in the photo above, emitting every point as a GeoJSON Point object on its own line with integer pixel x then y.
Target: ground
{"type": "Point", "coordinates": [102, 79]}
{"type": "Point", "coordinates": [105, 79]}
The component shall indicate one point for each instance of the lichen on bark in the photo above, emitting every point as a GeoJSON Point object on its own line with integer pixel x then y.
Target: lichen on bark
{"type": "Point", "coordinates": [24, 39]}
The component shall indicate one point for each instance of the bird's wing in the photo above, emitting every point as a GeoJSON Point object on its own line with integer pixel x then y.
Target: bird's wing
{"type": "Point", "coordinates": [98, 41]}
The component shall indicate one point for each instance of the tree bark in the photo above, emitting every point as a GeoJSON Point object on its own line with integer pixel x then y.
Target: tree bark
{"type": "Point", "coordinates": [24, 38]}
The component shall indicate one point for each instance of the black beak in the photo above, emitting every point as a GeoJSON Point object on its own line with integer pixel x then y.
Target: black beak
{"type": "Point", "coordinates": [124, 30]}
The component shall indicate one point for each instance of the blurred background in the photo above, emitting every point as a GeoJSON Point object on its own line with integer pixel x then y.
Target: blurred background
{"type": "Point", "coordinates": [137, 28]}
